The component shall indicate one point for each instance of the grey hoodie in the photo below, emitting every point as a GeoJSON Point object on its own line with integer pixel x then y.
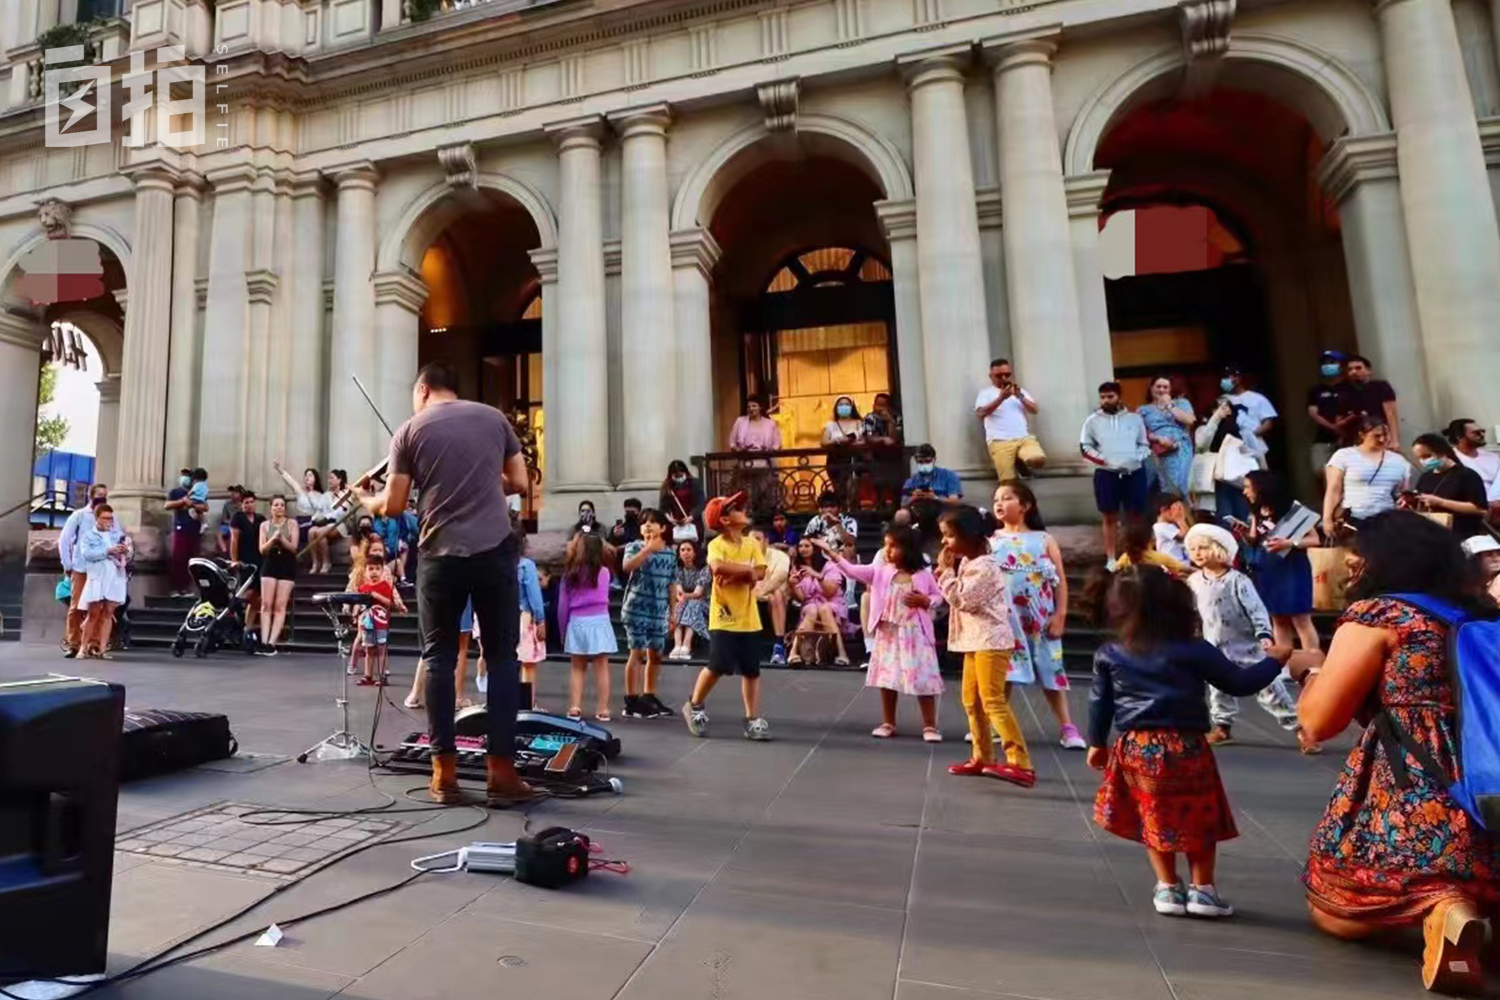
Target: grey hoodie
{"type": "Point", "coordinates": [1115, 441]}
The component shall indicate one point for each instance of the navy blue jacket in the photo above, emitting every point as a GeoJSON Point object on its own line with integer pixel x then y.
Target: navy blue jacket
{"type": "Point", "coordinates": [1165, 688]}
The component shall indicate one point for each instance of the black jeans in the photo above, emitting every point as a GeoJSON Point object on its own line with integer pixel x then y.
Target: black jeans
{"type": "Point", "coordinates": [444, 584]}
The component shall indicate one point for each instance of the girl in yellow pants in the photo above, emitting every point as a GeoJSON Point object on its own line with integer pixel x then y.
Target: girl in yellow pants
{"type": "Point", "coordinates": [973, 584]}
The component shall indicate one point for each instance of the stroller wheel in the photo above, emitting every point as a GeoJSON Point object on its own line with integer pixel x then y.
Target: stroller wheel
{"type": "Point", "coordinates": [200, 648]}
{"type": "Point", "coordinates": [177, 649]}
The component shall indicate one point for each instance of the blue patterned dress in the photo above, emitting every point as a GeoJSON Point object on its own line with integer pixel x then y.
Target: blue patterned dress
{"type": "Point", "coordinates": [1032, 579]}
{"type": "Point", "coordinates": [1172, 471]}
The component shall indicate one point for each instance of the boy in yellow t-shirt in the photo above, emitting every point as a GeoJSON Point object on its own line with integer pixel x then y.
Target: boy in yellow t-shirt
{"type": "Point", "coordinates": [737, 563]}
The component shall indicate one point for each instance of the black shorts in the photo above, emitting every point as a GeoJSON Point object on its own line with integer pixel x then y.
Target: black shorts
{"type": "Point", "coordinates": [734, 653]}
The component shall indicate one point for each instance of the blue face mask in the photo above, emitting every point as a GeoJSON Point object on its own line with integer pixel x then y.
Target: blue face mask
{"type": "Point", "coordinates": [1431, 464]}
{"type": "Point", "coordinates": [845, 410]}
{"type": "Point", "coordinates": [925, 468]}
{"type": "Point", "coordinates": [184, 481]}
{"type": "Point", "coordinates": [1330, 371]}
{"type": "Point", "coordinates": [1227, 384]}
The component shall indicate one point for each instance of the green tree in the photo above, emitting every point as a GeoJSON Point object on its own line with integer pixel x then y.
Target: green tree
{"type": "Point", "coordinates": [51, 431]}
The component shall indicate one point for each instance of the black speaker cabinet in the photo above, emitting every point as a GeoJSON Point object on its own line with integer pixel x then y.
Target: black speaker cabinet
{"type": "Point", "coordinates": [59, 747]}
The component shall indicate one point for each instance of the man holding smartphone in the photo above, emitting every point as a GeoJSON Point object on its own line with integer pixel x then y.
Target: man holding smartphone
{"type": "Point", "coordinates": [1006, 409]}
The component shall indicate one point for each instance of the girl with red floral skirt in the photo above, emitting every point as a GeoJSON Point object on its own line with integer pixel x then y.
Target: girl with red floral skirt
{"type": "Point", "coordinates": [1161, 787]}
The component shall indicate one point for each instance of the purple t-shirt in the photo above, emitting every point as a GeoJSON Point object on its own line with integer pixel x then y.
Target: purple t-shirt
{"type": "Point", "coordinates": [455, 453]}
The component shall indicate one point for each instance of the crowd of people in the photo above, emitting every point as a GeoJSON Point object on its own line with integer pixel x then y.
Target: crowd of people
{"type": "Point", "coordinates": [1206, 595]}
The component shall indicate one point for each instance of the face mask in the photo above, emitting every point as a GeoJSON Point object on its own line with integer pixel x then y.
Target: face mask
{"type": "Point", "coordinates": [632, 515]}
{"type": "Point", "coordinates": [925, 468]}
{"type": "Point", "coordinates": [845, 410]}
{"type": "Point", "coordinates": [1431, 464]}
{"type": "Point", "coordinates": [1227, 384]}
{"type": "Point", "coordinates": [1329, 371]}
{"type": "Point", "coordinates": [184, 482]}
{"type": "Point", "coordinates": [98, 501]}
{"type": "Point", "coordinates": [679, 478]}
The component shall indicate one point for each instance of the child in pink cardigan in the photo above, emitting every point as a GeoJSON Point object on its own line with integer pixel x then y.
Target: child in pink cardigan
{"type": "Point", "coordinates": [903, 654]}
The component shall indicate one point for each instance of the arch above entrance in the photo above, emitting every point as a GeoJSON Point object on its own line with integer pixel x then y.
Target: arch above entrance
{"type": "Point", "coordinates": [1315, 83]}
{"type": "Point", "coordinates": [841, 138]}
{"type": "Point", "coordinates": [432, 211]}
{"type": "Point", "coordinates": [105, 236]}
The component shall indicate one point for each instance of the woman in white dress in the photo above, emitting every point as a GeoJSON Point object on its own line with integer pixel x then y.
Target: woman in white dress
{"type": "Point", "coordinates": [105, 552]}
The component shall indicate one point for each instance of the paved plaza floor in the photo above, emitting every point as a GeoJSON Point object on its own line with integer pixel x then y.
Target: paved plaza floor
{"type": "Point", "coordinates": [823, 865]}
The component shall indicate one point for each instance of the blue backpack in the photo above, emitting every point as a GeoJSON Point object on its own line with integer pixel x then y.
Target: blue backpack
{"type": "Point", "coordinates": [1474, 669]}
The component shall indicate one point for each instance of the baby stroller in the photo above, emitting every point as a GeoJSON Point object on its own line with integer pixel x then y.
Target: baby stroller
{"type": "Point", "coordinates": [217, 619]}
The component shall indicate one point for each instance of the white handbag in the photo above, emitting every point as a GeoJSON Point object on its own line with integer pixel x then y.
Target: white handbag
{"type": "Point", "coordinates": [685, 533]}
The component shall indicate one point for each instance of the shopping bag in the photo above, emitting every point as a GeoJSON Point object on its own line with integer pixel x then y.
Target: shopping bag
{"type": "Point", "coordinates": [1330, 569]}
{"type": "Point", "coordinates": [1201, 477]}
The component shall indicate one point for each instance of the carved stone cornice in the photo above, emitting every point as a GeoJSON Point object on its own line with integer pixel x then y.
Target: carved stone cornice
{"type": "Point", "coordinates": [545, 262]}
{"type": "Point", "coordinates": [260, 286]}
{"type": "Point", "coordinates": [778, 99]}
{"type": "Point", "coordinates": [989, 207]}
{"type": "Point", "coordinates": [613, 257]}
{"type": "Point", "coordinates": [1355, 160]}
{"type": "Point", "coordinates": [1205, 26]}
{"type": "Point", "coordinates": [458, 165]}
{"type": "Point", "coordinates": [575, 132]}
{"type": "Point", "coordinates": [400, 288]}
{"type": "Point", "coordinates": [1085, 192]}
{"type": "Point", "coordinates": [695, 248]}
{"type": "Point", "coordinates": [647, 119]}
{"type": "Point", "coordinates": [898, 219]}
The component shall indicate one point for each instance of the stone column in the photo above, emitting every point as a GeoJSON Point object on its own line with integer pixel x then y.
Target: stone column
{"type": "Point", "coordinates": [226, 327]}
{"type": "Point", "coordinates": [20, 367]}
{"type": "Point", "coordinates": [1359, 175]}
{"type": "Point", "coordinates": [398, 306]}
{"type": "Point", "coordinates": [949, 270]}
{"type": "Point", "coordinates": [185, 358]}
{"type": "Point", "coordinates": [1041, 289]}
{"type": "Point", "coordinates": [544, 259]}
{"type": "Point", "coordinates": [899, 220]}
{"type": "Point", "coordinates": [1084, 193]}
{"type": "Point", "coordinates": [353, 431]}
{"type": "Point", "coordinates": [577, 399]}
{"type": "Point", "coordinates": [106, 438]}
{"type": "Point", "coordinates": [646, 293]}
{"type": "Point", "coordinates": [1448, 209]}
{"type": "Point", "coordinates": [694, 254]}
{"type": "Point", "coordinates": [148, 339]}
{"type": "Point", "coordinates": [307, 393]}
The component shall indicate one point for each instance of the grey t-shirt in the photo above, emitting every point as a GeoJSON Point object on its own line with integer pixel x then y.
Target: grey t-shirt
{"type": "Point", "coordinates": [454, 453]}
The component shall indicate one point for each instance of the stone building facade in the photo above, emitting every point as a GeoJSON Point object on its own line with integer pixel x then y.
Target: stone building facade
{"type": "Point", "coordinates": [584, 205]}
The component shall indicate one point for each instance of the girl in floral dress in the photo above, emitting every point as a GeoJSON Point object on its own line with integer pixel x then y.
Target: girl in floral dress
{"type": "Point", "coordinates": [1390, 853]}
{"type": "Point", "coordinates": [903, 654]}
{"type": "Point", "coordinates": [690, 616]}
{"type": "Point", "coordinates": [1161, 786]}
{"type": "Point", "coordinates": [1039, 602]}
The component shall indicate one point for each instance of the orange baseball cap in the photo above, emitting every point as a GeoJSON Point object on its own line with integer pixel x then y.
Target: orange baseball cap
{"type": "Point", "coordinates": [713, 514]}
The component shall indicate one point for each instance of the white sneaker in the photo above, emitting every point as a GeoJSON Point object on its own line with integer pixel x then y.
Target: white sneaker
{"type": "Point", "coordinates": [482, 682]}
{"type": "Point", "coordinates": [1204, 901]}
{"type": "Point", "coordinates": [969, 737]}
{"type": "Point", "coordinates": [1170, 900]}
{"type": "Point", "coordinates": [412, 701]}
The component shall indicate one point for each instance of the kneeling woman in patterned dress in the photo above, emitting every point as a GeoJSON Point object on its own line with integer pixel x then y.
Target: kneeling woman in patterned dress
{"type": "Point", "coordinates": [1161, 787]}
{"type": "Point", "coordinates": [1393, 849]}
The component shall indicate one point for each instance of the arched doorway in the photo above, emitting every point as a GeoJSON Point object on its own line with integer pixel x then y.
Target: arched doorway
{"type": "Point", "coordinates": [1220, 247]}
{"type": "Point", "coordinates": [62, 312]}
{"type": "Point", "coordinates": [483, 315]}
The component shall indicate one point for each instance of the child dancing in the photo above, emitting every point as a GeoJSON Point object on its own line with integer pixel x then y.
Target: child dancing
{"type": "Point", "coordinates": [1161, 787]}
{"type": "Point", "coordinates": [973, 584]}
{"type": "Point", "coordinates": [1038, 589]}
{"type": "Point", "coordinates": [1234, 620]}
{"type": "Point", "coordinates": [647, 614]}
{"type": "Point", "coordinates": [903, 654]}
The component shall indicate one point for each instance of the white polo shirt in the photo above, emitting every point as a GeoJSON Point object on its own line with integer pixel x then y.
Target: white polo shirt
{"type": "Point", "coordinates": [1009, 420]}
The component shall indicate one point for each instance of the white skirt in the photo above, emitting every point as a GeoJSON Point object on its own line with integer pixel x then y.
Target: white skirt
{"type": "Point", "coordinates": [591, 635]}
{"type": "Point", "coordinates": [106, 582]}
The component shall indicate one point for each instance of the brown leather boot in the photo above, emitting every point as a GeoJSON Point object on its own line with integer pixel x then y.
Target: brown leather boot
{"type": "Point", "coordinates": [503, 786]}
{"type": "Point", "coordinates": [444, 787]}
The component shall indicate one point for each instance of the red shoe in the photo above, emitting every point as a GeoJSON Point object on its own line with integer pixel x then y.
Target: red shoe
{"type": "Point", "coordinates": [968, 767]}
{"type": "Point", "coordinates": [1011, 773]}
{"type": "Point", "coordinates": [365, 682]}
